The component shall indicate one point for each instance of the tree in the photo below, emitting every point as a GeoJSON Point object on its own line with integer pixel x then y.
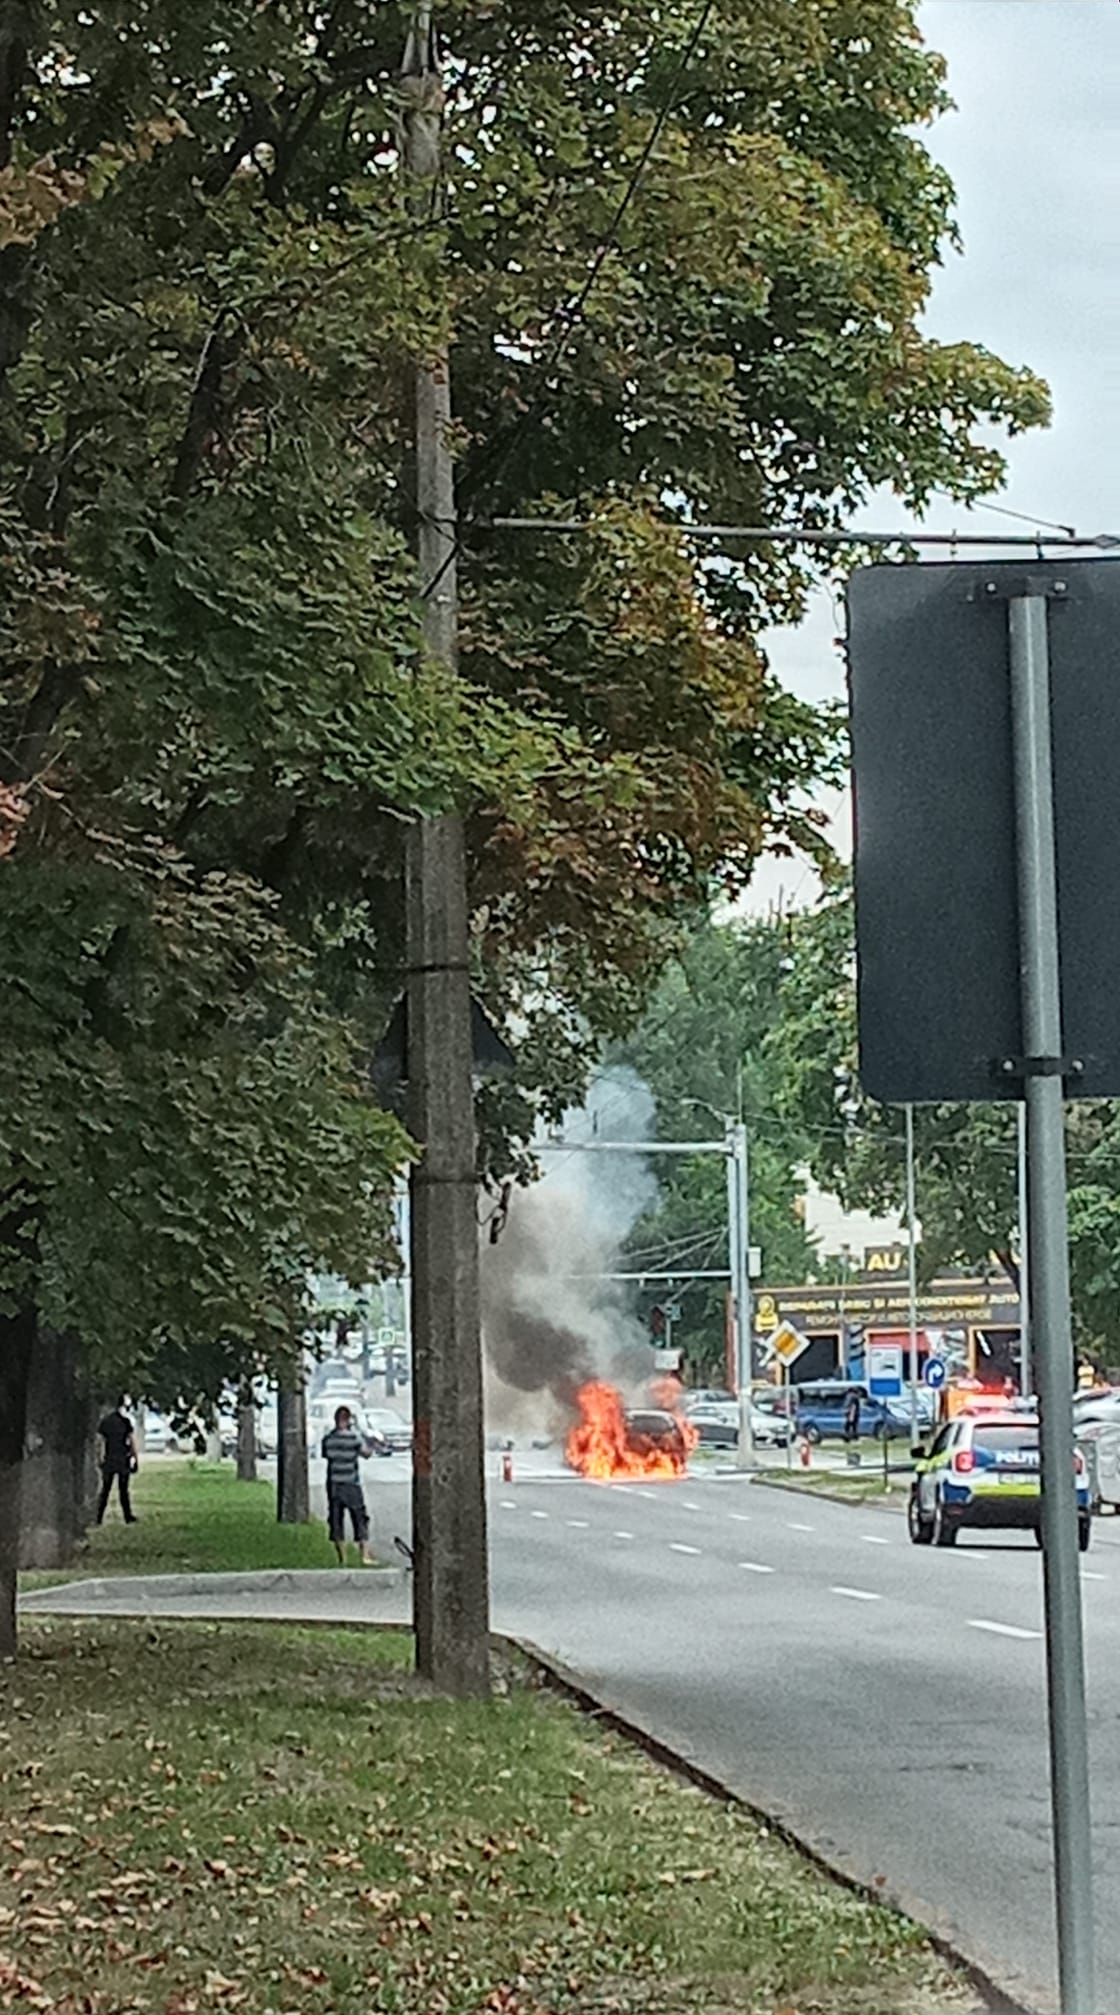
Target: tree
{"type": "Point", "coordinates": [181, 1148]}
{"type": "Point", "coordinates": [217, 289]}
{"type": "Point", "coordinates": [669, 287]}
{"type": "Point", "coordinates": [966, 1156]}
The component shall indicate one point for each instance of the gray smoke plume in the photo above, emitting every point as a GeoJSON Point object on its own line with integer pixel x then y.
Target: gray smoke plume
{"type": "Point", "coordinates": [550, 1319]}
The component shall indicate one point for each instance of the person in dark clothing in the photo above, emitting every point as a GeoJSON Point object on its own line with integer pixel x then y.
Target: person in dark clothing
{"type": "Point", "coordinates": [851, 1418]}
{"type": "Point", "coordinates": [117, 1456]}
{"type": "Point", "coordinates": [342, 1450]}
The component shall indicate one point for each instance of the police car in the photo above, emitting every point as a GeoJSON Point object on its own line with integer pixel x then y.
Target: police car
{"type": "Point", "coordinates": [983, 1471]}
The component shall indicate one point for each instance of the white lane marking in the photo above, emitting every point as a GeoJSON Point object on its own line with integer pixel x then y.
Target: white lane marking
{"type": "Point", "coordinates": [624, 1535]}
{"type": "Point", "coordinates": [755, 1567]}
{"type": "Point", "coordinates": [651, 1494]}
{"type": "Point", "coordinates": [676, 1547]}
{"type": "Point", "coordinates": [1001, 1629]}
{"type": "Point", "coordinates": [688, 1504]}
{"type": "Point", "coordinates": [627, 1489]}
{"type": "Point", "coordinates": [802, 1528]}
{"type": "Point", "coordinates": [874, 1539]}
{"type": "Point", "coordinates": [538, 1514]}
{"type": "Point", "coordinates": [580, 1524]}
{"type": "Point", "coordinates": [856, 1594]}
{"type": "Point", "coordinates": [507, 1504]}
{"type": "Point", "coordinates": [741, 1517]}
{"type": "Point", "coordinates": [1087, 1574]}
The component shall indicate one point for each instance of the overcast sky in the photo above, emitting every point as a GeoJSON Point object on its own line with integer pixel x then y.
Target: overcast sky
{"type": "Point", "coordinates": [1032, 150]}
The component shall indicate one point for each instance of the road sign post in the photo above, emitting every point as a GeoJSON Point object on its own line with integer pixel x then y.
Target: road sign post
{"type": "Point", "coordinates": [988, 798]}
{"type": "Point", "coordinates": [1044, 1068]}
{"type": "Point", "coordinates": [787, 1344]}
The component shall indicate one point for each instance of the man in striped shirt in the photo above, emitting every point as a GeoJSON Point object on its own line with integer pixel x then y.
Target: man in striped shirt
{"type": "Point", "coordinates": [342, 1450]}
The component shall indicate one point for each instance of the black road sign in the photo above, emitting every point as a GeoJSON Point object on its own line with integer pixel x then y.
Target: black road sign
{"type": "Point", "coordinates": [935, 874]}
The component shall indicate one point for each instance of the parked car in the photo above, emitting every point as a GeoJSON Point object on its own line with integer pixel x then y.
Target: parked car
{"type": "Point", "coordinates": [716, 1426]}
{"type": "Point", "coordinates": [770, 1428]}
{"type": "Point", "coordinates": [158, 1436]}
{"type": "Point", "coordinates": [820, 1406]}
{"type": "Point", "coordinates": [1096, 1408]}
{"type": "Point", "coordinates": [705, 1396]}
{"type": "Point", "coordinates": [899, 1410]}
{"type": "Point", "coordinates": [388, 1431]}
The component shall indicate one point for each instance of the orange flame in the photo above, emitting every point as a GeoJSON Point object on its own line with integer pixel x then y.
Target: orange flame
{"type": "Point", "coordinates": [602, 1446]}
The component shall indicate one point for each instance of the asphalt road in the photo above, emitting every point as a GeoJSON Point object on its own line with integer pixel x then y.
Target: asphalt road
{"type": "Point", "coordinates": [887, 1702]}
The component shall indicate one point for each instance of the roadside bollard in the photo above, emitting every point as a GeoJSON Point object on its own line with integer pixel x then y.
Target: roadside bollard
{"type": "Point", "coordinates": [806, 1453]}
{"type": "Point", "coordinates": [507, 1466]}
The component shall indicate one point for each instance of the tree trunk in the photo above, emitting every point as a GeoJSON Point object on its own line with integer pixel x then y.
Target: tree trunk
{"type": "Point", "coordinates": [246, 1435]}
{"type": "Point", "coordinates": [17, 1342]}
{"type": "Point", "coordinates": [53, 1495]}
{"type": "Point", "coordinates": [293, 1484]}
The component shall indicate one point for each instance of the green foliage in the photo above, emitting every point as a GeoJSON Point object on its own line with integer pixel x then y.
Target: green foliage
{"type": "Point", "coordinates": [183, 1125]}
{"type": "Point", "coordinates": [966, 1156]}
{"type": "Point", "coordinates": [210, 671]}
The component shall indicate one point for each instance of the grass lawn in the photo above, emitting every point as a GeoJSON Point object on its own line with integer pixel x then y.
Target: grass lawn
{"type": "Point", "coordinates": [194, 1517]}
{"type": "Point", "coordinates": [857, 1485]}
{"type": "Point", "coordinates": [198, 1818]}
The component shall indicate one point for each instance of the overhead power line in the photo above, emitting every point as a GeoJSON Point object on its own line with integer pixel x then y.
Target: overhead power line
{"type": "Point", "coordinates": [809, 535]}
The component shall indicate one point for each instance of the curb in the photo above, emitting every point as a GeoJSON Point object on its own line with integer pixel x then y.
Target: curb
{"type": "Point", "coordinates": [800, 1489]}
{"type": "Point", "coordinates": [560, 1679]}
{"type": "Point", "coordinates": [263, 1581]}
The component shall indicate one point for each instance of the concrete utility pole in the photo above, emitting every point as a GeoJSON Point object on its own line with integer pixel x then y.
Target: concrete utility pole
{"type": "Point", "coordinates": [451, 1603]}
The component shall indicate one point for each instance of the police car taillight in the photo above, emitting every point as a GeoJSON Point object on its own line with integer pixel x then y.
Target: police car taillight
{"type": "Point", "coordinates": [963, 1461]}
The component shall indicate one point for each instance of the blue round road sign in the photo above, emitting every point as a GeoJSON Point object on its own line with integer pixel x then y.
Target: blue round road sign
{"type": "Point", "coordinates": [934, 1373]}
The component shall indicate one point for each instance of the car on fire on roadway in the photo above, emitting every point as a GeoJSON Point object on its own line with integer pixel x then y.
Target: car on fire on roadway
{"type": "Point", "coordinates": [654, 1430]}
{"type": "Point", "coordinates": [983, 1472]}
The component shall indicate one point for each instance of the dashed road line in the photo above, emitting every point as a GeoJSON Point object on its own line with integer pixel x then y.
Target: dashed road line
{"type": "Point", "coordinates": [624, 1535]}
{"type": "Point", "coordinates": [650, 1494]}
{"type": "Point", "coordinates": [1001, 1629]}
{"type": "Point", "coordinates": [800, 1528]}
{"type": "Point", "coordinates": [755, 1567]}
{"type": "Point", "coordinates": [874, 1539]}
{"type": "Point", "coordinates": [580, 1524]}
{"type": "Point", "coordinates": [688, 1504]}
{"type": "Point", "coordinates": [1088, 1574]}
{"type": "Point", "coordinates": [855, 1594]}
{"type": "Point", "coordinates": [675, 1546]}
{"type": "Point", "coordinates": [538, 1514]}
{"type": "Point", "coordinates": [507, 1504]}
{"type": "Point", "coordinates": [741, 1517]}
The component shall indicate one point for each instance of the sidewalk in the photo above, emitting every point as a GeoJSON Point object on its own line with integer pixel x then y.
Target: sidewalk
{"type": "Point", "coordinates": [311, 1595]}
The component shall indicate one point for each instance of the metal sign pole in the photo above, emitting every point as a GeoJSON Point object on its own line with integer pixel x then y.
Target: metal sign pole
{"type": "Point", "coordinates": [912, 1273]}
{"type": "Point", "coordinates": [739, 1189]}
{"type": "Point", "coordinates": [1026, 1377]}
{"type": "Point", "coordinates": [1052, 1341]}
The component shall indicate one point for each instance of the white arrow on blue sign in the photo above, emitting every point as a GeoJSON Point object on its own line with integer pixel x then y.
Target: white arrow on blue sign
{"type": "Point", "coordinates": [934, 1373]}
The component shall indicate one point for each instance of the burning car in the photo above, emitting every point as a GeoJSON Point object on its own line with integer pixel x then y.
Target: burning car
{"type": "Point", "coordinates": [611, 1441]}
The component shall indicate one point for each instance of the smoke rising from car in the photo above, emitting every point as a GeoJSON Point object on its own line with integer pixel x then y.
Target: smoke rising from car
{"type": "Point", "coordinates": [551, 1320]}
